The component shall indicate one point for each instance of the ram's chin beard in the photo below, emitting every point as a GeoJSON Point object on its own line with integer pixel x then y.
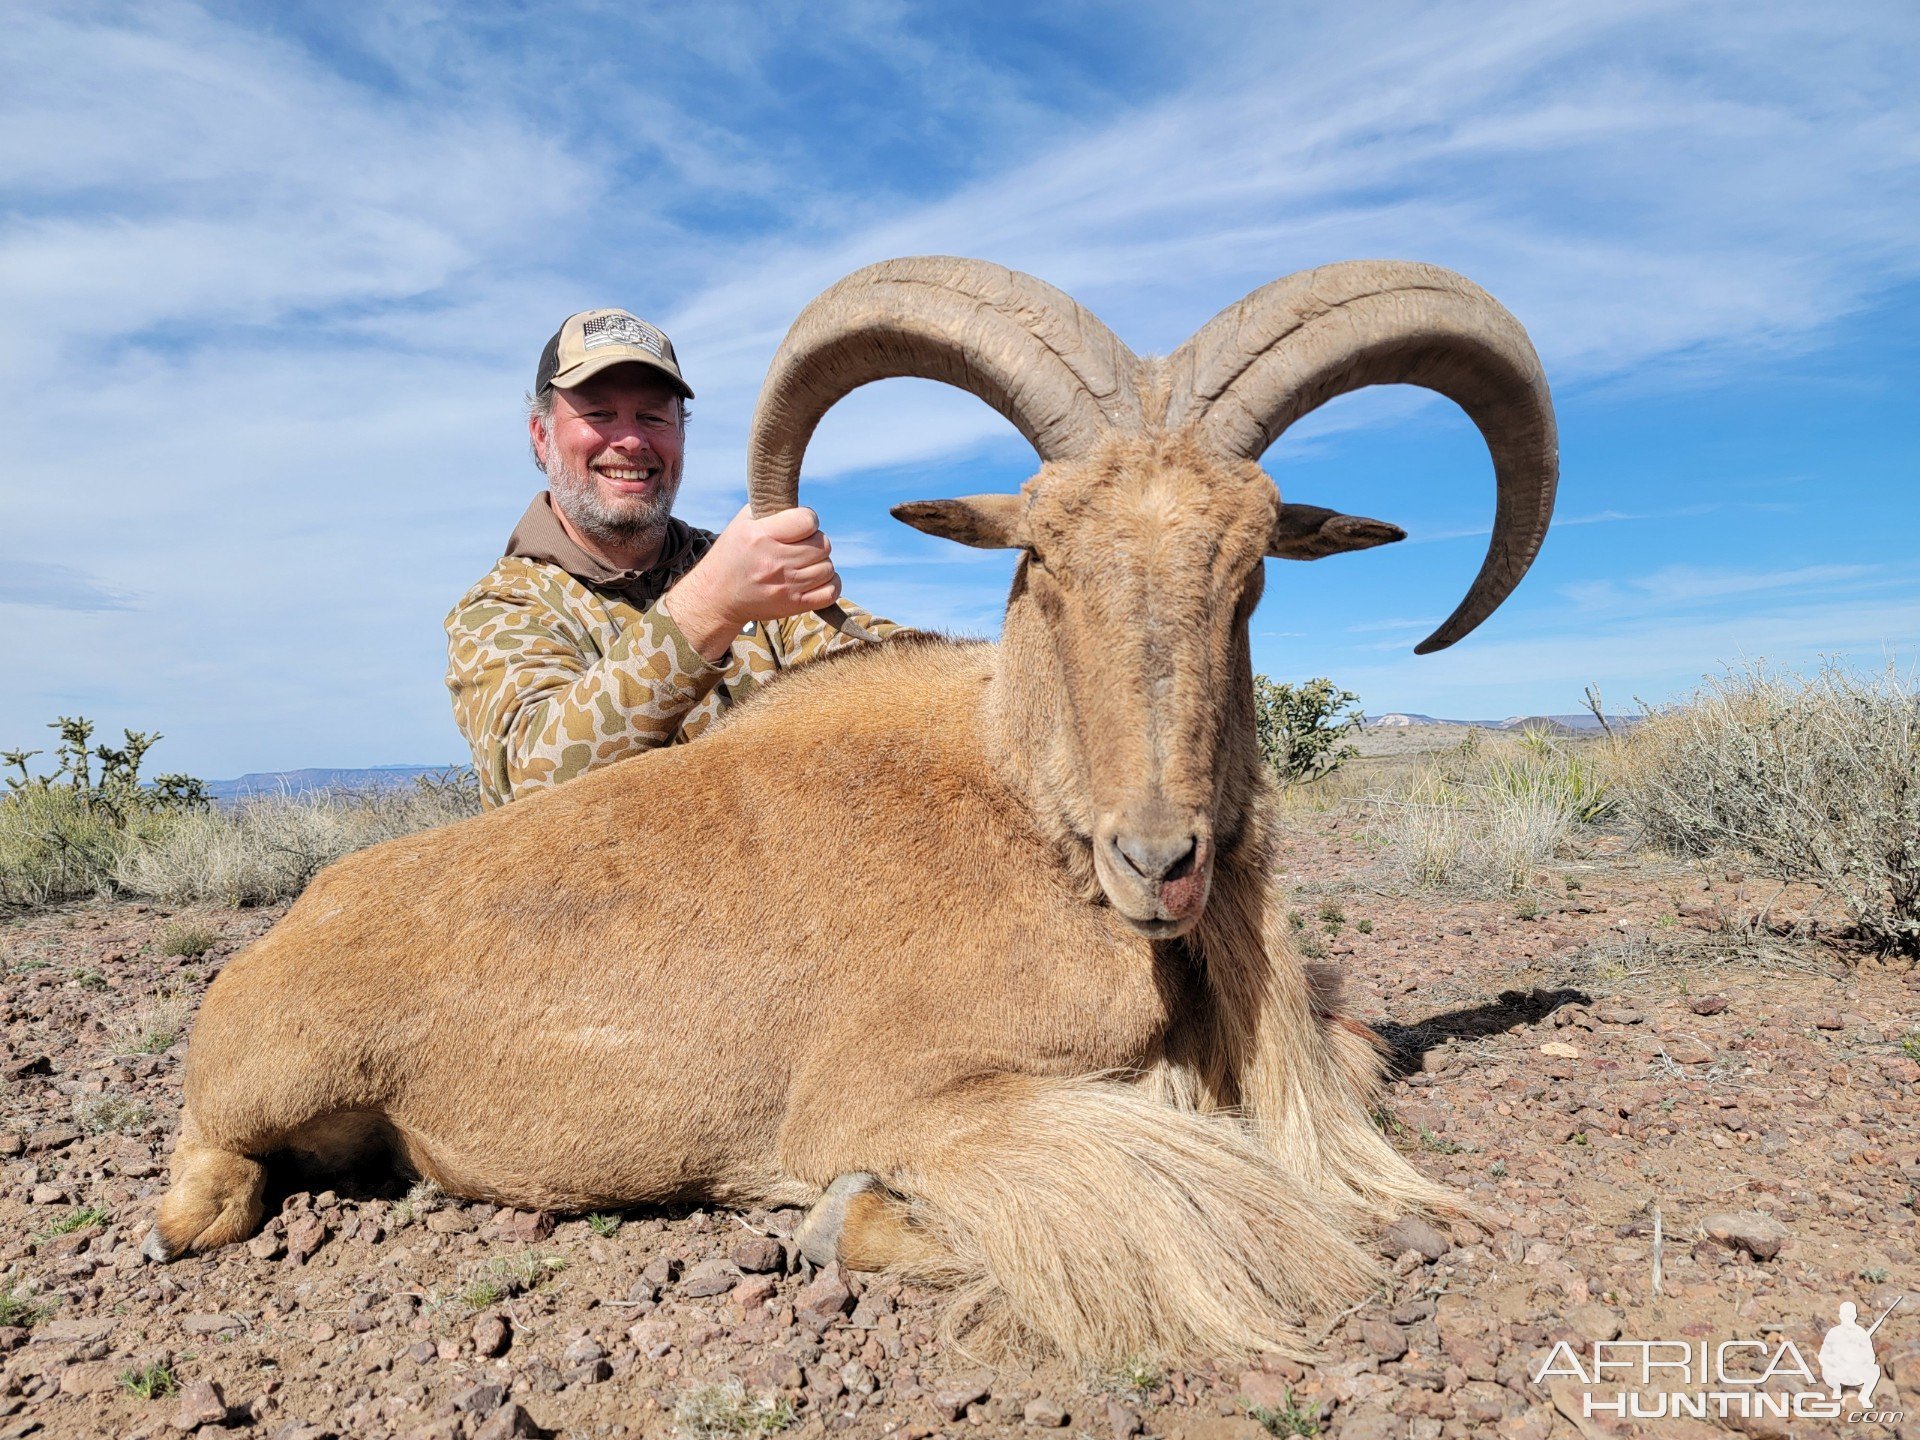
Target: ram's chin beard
{"type": "Point", "coordinates": [619, 521]}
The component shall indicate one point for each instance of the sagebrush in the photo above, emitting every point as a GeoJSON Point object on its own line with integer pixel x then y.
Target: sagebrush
{"type": "Point", "coordinates": [1812, 778]}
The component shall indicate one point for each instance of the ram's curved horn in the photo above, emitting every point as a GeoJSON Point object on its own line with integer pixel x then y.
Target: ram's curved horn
{"type": "Point", "coordinates": [1019, 344]}
{"type": "Point", "coordinates": [1291, 346]}
{"type": "Point", "coordinates": [1055, 371]}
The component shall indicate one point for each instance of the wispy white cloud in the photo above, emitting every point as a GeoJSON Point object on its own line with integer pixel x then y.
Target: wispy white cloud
{"type": "Point", "coordinates": [1683, 585]}
{"type": "Point", "coordinates": [288, 269]}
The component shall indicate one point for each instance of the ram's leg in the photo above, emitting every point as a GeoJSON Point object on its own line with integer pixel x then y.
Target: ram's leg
{"type": "Point", "coordinates": [1081, 1210]}
{"type": "Point", "coordinates": [261, 1079]}
{"type": "Point", "coordinates": [214, 1199]}
{"type": "Point", "coordinates": [863, 1226]}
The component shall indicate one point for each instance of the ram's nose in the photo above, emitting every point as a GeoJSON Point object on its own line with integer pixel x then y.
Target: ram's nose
{"type": "Point", "coordinates": [1155, 865]}
{"type": "Point", "coordinates": [1157, 857]}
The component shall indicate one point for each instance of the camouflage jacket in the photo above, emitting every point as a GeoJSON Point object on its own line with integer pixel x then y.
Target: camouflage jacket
{"type": "Point", "coordinates": [559, 666]}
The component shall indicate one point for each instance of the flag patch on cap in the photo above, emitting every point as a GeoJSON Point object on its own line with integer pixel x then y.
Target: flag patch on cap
{"type": "Point", "coordinates": [603, 330]}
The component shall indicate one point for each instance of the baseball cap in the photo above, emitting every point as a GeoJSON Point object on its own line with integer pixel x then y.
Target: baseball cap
{"type": "Point", "coordinates": [596, 340]}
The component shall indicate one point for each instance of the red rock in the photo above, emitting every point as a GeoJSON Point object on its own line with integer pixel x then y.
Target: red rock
{"type": "Point", "coordinates": [491, 1335]}
{"type": "Point", "coordinates": [822, 1302]}
{"type": "Point", "coordinates": [526, 1226]}
{"type": "Point", "coordinates": [753, 1292]}
{"type": "Point", "coordinates": [90, 1377]}
{"type": "Point", "coordinates": [306, 1233]}
{"type": "Point", "coordinates": [201, 1403]}
{"type": "Point", "coordinates": [951, 1400]}
{"type": "Point", "coordinates": [509, 1422]}
{"type": "Point", "coordinates": [757, 1254]}
{"type": "Point", "coordinates": [1760, 1235]}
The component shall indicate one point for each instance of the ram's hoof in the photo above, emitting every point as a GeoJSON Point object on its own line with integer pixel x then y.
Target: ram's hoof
{"type": "Point", "coordinates": [819, 1234]}
{"type": "Point", "coordinates": [155, 1248]}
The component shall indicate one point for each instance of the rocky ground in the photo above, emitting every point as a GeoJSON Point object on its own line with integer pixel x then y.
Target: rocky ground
{"type": "Point", "coordinates": [1609, 1055]}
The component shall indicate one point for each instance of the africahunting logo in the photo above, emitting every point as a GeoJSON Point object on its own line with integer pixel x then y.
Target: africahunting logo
{"type": "Point", "coordinates": [1725, 1379]}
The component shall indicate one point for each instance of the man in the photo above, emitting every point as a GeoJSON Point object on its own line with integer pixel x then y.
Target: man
{"type": "Point", "coordinates": [610, 627]}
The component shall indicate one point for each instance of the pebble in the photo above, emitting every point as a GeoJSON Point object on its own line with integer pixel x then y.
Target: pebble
{"type": "Point", "coordinates": [509, 1422]}
{"type": "Point", "coordinates": [1594, 1322]}
{"type": "Point", "coordinates": [822, 1302]}
{"type": "Point", "coordinates": [481, 1399]}
{"type": "Point", "coordinates": [951, 1400]}
{"type": "Point", "coordinates": [1708, 1004]}
{"type": "Point", "coordinates": [1686, 1049]}
{"type": "Point", "coordinates": [1387, 1341]}
{"type": "Point", "coordinates": [306, 1233]}
{"type": "Point", "coordinates": [1045, 1413]}
{"type": "Point", "coordinates": [526, 1226]}
{"type": "Point", "coordinates": [711, 1277]}
{"type": "Point", "coordinates": [1413, 1233]}
{"type": "Point", "coordinates": [491, 1334]}
{"type": "Point", "coordinates": [757, 1254]}
{"type": "Point", "coordinates": [753, 1292]}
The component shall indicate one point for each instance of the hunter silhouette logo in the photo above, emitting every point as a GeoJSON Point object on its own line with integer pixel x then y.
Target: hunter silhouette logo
{"type": "Point", "coordinates": [1684, 1379]}
{"type": "Point", "coordinates": [1846, 1354]}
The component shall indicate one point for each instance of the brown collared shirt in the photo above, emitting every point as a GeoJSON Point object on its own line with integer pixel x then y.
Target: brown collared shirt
{"type": "Point", "coordinates": [559, 665]}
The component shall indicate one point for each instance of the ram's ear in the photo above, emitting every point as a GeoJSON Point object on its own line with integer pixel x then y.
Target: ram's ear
{"type": "Point", "coordinates": [1307, 532]}
{"type": "Point", "coordinates": [986, 522]}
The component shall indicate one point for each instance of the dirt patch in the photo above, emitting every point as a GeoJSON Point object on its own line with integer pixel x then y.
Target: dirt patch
{"type": "Point", "coordinates": [1577, 1065]}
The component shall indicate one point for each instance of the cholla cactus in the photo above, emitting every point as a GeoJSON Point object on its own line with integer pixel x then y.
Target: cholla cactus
{"type": "Point", "coordinates": [1304, 730]}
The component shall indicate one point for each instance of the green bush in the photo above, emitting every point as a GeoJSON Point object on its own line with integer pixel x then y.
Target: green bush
{"type": "Point", "coordinates": [1305, 731]}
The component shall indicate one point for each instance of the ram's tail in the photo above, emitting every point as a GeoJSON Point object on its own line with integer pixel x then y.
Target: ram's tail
{"type": "Point", "coordinates": [1090, 1215]}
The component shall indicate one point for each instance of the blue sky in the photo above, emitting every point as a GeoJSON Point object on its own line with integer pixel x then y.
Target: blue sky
{"type": "Point", "coordinates": [275, 277]}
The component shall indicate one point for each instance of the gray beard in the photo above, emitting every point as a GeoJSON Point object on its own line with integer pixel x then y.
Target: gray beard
{"type": "Point", "coordinates": [622, 522]}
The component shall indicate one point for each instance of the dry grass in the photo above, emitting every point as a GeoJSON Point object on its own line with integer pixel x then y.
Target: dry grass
{"type": "Point", "coordinates": [266, 850]}
{"type": "Point", "coordinates": [713, 1411]}
{"type": "Point", "coordinates": [1486, 815]}
{"type": "Point", "coordinates": [55, 846]}
{"type": "Point", "coordinates": [156, 1028]}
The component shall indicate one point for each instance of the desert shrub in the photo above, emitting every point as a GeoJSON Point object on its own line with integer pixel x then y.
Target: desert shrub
{"type": "Point", "coordinates": [1305, 731]}
{"type": "Point", "coordinates": [188, 941]}
{"type": "Point", "coordinates": [1812, 778]}
{"type": "Point", "coordinates": [267, 849]}
{"type": "Point", "coordinates": [64, 834]}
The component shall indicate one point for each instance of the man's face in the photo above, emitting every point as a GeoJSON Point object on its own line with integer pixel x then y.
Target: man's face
{"type": "Point", "coordinates": [612, 457]}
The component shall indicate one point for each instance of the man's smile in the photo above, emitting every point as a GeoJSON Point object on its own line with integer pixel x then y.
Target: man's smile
{"type": "Point", "coordinates": [628, 478]}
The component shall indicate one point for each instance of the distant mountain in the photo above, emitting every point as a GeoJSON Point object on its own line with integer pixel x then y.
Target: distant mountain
{"type": "Point", "coordinates": [303, 782]}
{"type": "Point", "coordinates": [1580, 722]}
